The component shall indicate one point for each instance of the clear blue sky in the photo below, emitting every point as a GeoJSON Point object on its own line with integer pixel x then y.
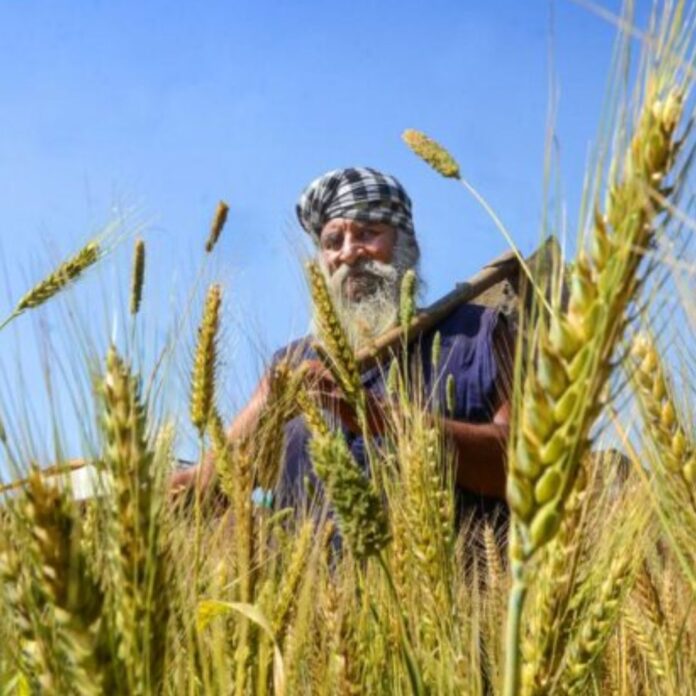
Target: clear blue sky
{"type": "Point", "coordinates": [166, 107]}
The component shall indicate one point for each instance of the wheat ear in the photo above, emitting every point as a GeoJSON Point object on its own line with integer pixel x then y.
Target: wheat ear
{"type": "Point", "coordinates": [205, 361]}
{"type": "Point", "coordinates": [550, 617]}
{"type": "Point", "coordinates": [51, 285]}
{"type": "Point", "coordinates": [280, 407]}
{"type": "Point", "coordinates": [432, 153]}
{"type": "Point", "coordinates": [362, 519]}
{"type": "Point", "coordinates": [646, 638]}
{"type": "Point", "coordinates": [216, 226]}
{"type": "Point", "coordinates": [676, 448]}
{"type": "Point", "coordinates": [138, 558]}
{"type": "Point", "coordinates": [407, 303]}
{"type": "Point", "coordinates": [563, 389]}
{"type": "Point", "coordinates": [55, 600]}
{"type": "Point", "coordinates": [291, 580]}
{"type": "Point", "coordinates": [335, 350]}
{"type": "Point", "coordinates": [137, 276]}
{"type": "Point", "coordinates": [595, 628]}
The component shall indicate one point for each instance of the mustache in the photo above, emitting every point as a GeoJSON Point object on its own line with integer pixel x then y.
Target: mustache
{"type": "Point", "coordinates": [378, 270]}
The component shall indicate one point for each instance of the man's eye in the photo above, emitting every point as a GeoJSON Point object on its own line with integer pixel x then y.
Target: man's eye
{"type": "Point", "coordinates": [332, 242]}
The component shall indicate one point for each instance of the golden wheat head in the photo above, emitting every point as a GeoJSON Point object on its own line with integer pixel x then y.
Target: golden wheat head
{"type": "Point", "coordinates": [204, 362]}
{"type": "Point", "coordinates": [432, 153]}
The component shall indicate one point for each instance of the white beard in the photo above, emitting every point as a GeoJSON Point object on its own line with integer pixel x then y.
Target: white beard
{"type": "Point", "coordinates": [376, 307]}
{"type": "Point", "coordinates": [374, 311]}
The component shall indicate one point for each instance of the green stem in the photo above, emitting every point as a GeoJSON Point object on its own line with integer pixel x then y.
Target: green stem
{"type": "Point", "coordinates": [413, 671]}
{"type": "Point", "coordinates": [12, 316]}
{"type": "Point", "coordinates": [518, 592]}
{"type": "Point", "coordinates": [508, 238]}
{"type": "Point", "coordinates": [197, 516]}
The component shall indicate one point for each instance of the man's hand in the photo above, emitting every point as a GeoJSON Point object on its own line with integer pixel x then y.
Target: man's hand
{"type": "Point", "coordinates": [321, 384]}
{"type": "Point", "coordinates": [184, 482]}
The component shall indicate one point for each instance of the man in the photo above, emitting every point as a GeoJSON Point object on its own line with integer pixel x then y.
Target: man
{"type": "Point", "coordinates": [361, 221]}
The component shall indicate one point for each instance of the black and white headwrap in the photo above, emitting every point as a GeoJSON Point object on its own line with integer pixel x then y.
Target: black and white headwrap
{"type": "Point", "coordinates": [356, 193]}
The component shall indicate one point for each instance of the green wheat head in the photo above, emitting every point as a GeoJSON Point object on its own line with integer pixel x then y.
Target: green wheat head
{"type": "Point", "coordinates": [362, 518]}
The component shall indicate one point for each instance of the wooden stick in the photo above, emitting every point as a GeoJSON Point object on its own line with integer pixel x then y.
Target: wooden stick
{"type": "Point", "coordinates": [500, 268]}
{"type": "Point", "coordinates": [55, 470]}
{"type": "Point", "coordinates": [504, 266]}
{"type": "Point", "coordinates": [68, 468]}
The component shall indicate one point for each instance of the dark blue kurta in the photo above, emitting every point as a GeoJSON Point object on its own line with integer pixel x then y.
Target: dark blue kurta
{"type": "Point", "coordinates": [466, 353]}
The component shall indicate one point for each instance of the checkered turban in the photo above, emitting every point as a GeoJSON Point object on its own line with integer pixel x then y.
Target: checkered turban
{"type": "Point", "coordinates": [357, 193]}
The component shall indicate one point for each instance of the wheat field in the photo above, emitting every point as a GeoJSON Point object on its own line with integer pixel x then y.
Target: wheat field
{"type": "Point", "coordinates": [379, 587]}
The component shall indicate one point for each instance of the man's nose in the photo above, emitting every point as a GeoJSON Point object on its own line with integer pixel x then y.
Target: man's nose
{"type": "Point", "coordinates": [351, 251]}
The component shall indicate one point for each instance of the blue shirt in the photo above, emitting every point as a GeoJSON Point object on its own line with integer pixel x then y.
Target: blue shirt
{"type": "Point", "coordinates": [467, 353]}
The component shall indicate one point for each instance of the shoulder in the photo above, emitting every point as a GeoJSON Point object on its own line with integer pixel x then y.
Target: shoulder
{"type": "Point", "coordinates": [296, 351]}
{"type": "Point", "coordinates": [469, 320]}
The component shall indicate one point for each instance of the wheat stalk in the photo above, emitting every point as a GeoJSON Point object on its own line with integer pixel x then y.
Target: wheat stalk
{"type": "Point", "coordinates": [645, 636]}
{"type": "Point", "coordinates": [407, 302]}
{"type": "Point", "coordinates": [137, 555]}
{"type": "Point", "coordinates": [67, 272]}
{"type": "Point", "coordinates": [432, 153]}
{"type": "Point", "coordinates": [291, 580]}
{"type": "Point", "coordinates": [595, 628]}
{"type": "Point", "coordinates": [137, 276]}
{"type": "Point", "coordinates": [555, 581]}
{"type": "Point", "coordinates": [216, 226]}
{"type": "Point", "coordinates": [205, 361]}
{"type": "Point", "coordinates": [55, 600]}
{"type": "Point", "coordinates": [563, 389]}
{"type": "Point", "coordinates": [335, 349]}
{"type": "Point", "coordinates": [362, 519]}
{"type": "Point", "coordinates": [676, 448]}
{"type": "Point", "coordinates": [279, 408]}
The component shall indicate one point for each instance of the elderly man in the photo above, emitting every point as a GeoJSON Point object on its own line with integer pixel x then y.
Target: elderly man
{"type": "Point", "coordinates": [360, 220]}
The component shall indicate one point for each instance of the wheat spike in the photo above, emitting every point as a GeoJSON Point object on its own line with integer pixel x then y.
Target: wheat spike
{"type": "Point", "coordinates": [407, 305]}
{"type": "Point", "coordinates": [677, 450]}
{"type": "Point", "coordinates": [281, 405]}
{"type": "Point", "coordinates": [68, 271]}
{"type": "Point", "coordinates": [550, 617]}
{"type": "Point", "coordinates": [645, 638]}
{"type": "Point", "coordinates": [243, 475]}
{"type": "Point", "coordinates": [137, 276]}
{"type": "Point", "coordinates": [222, 454]}
{"type": "Point", "coordinates": [205, 361]}
{"type": "Point", "coordinates": [361, 516]}
{"type": "Point", "coordinates": [216, 226]}
{"type": "Point", "coordinates": [595, 627]}
{"type": "Point", "coordinates": [436, 352]}
{"type": "Point", "coordinates": [563, 389]}
{"type": "Point", "coordinates": [312, 415]}
{"type": "Point", "coordinates": [137, 556]}
{"type": "Point", "coordinates": [432, 153]}
{"type": "Point", "coordinates": [65, 273]}
{"type": "Point", "coordinates": [451, 395]}
{"type": "Point", "coordinates": [335, 349]}
{"type": "Point", "coordinates": [55, 600]}
{"type": "Point", "coordinates": [292, 577]}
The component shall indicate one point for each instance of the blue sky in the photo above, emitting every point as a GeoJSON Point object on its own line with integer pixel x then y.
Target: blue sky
{"type": "Point", "coordinates": [163, 108]}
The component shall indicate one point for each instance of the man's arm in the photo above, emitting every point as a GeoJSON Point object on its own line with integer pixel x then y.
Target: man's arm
{"type": "Point", "coordinates": [480, 448]}
{"type": "Point", "coordinates": [480, 453]}
{"type": "Point", "coordinates": [241, 426]}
